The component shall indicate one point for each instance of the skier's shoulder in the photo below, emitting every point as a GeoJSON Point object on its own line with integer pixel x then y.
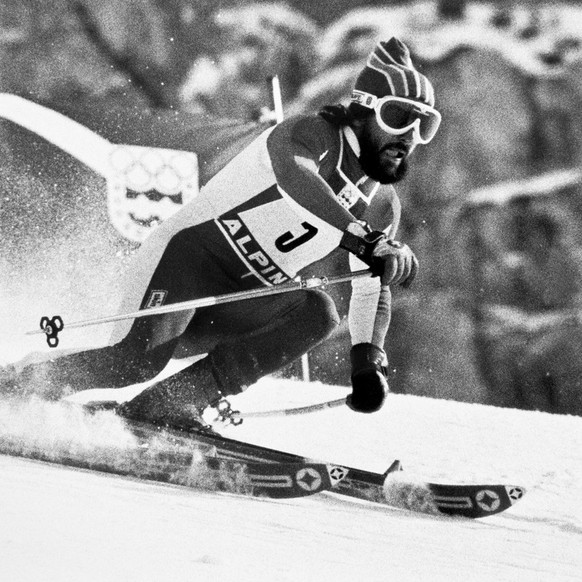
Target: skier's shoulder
{"type": "Point", "coordinates": [308, 131]}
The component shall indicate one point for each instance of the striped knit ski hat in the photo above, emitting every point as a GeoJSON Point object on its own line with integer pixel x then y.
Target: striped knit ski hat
{"type": "Point", "coordinates": [389, 71]}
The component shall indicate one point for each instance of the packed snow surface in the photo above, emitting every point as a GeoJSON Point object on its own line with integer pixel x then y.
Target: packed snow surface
{"type": "Point", "coordinates": [65, 524]}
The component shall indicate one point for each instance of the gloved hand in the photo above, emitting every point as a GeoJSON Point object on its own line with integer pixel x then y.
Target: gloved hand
{"type": "Point", "coordinates": [369, 383]}
{"type": "Point", "coordinates": [400, 263]}
{"type": "Point", "coordinates": [392, 260]}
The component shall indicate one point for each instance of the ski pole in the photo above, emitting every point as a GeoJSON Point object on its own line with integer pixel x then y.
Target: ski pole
{"type": "Point", "coordinates": [291, 411]}
{"type": "Point", "coordinates": [277, 98]}
{"type": "Point", "coordinates": [51, 327]}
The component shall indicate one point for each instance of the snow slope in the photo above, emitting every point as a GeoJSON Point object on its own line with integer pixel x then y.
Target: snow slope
{"type": "Point", "coordinates": [68, 525]}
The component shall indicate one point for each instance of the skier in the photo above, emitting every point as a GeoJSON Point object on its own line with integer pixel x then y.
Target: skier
{"type": "Point", "coordinates": [300, 190]}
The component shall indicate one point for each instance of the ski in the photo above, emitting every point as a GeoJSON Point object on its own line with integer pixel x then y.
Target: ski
{"type": "Point", "coordinates": [165, 459]}
{"type": "Point", "coordinates": [174, 450]}
{"type": "Point", "coordinates": [466, 500]}
{"type": "Point", "coordinates": [208, 460]}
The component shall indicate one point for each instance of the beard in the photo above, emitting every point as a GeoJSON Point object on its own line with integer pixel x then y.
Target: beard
{"type": "Point", "coordinates": [372, 165]}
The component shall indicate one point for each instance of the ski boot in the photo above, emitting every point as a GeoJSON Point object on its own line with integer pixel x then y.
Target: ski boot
{"type": "Point", "coordinates": [174, 403]}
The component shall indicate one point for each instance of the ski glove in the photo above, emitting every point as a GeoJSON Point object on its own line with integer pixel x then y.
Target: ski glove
{"type": "Point", "coordinates": [400, 263]}
{"type": "Point", "coordinates": [369, 382]}
{"type": "Point", "coordinates": [392, 260]}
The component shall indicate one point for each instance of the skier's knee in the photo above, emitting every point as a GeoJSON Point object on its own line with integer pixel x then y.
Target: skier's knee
{"type": "Point", "coordinates": [309, 319]}
{"type": "Point", "coordinates": [321, 312]}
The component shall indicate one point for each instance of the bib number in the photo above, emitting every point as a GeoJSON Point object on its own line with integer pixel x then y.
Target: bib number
{"type": "Point", "coordinates": [288, 241]}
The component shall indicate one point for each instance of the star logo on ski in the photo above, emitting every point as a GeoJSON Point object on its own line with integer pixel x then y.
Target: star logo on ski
{"type": "Point", "coordinates": [488, 500]}
{"type": "Point", "coordinates": [337, 474]}
{"type": "Point", "coordinates": [308, 479]}
{"type": "Point", "coordinates": [515, 493]}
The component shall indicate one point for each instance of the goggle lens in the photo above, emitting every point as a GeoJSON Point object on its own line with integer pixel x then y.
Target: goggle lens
{"type": "Point", "coordinates": [399, 115]}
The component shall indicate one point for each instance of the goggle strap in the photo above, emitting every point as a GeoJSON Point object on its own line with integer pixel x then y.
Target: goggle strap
{"type": "Point", "coordinates": [365, 99]}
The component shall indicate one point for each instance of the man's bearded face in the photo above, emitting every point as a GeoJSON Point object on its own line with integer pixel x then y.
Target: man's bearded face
{"type": "Point", "coordinates": [384, 157]}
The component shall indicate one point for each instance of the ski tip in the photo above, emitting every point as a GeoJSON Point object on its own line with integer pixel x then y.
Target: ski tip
{"type": "Point", "coordinates": [393, 468]}
{"type": "Point", "coordinates": [514, 493]}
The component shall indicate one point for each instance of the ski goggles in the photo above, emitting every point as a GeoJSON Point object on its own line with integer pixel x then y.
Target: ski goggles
{"type": "Point", "coordinates": [398, 115]}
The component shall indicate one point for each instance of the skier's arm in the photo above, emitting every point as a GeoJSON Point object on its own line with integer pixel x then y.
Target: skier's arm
{"type": "Point", "coordinates": [371, 306]}
{"type": "Point", "coordinates": [371, 300]}
{"type": "Point", "coordinates": [296, 148]}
